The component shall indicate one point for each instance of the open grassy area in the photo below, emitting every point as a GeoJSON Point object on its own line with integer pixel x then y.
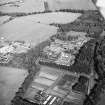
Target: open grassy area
{"type": "Point", "coordinates": [10, 80]}
{"type": "Point", "coordinates": [28, 6]}
{"type": "Point", "coordinates": [35, 28]}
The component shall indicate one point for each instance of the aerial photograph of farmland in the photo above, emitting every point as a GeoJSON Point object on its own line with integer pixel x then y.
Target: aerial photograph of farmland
{"type": "Point", "coordinates": [52, 52]}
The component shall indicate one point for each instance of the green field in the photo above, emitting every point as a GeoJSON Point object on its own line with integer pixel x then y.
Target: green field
{"type": "Point", "coordinates": [10, 80]}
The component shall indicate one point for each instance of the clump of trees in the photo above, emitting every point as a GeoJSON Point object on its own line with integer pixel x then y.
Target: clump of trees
{"type": "Point", "coordinates": [99, 65]}
{"type": "Point", "coordinates": [89, 22]}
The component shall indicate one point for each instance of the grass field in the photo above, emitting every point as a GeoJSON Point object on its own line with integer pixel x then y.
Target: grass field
{"type": "Point", "coordinates": [35, 28]}
{"type": "Point", "coordinates": [10, 80]}
{"type": "Point", "coordinates": [26, 6]}
{"type": "Point", "coordinates": [26, 31]}
{"type": "Point", "coordinates": [38, 5]}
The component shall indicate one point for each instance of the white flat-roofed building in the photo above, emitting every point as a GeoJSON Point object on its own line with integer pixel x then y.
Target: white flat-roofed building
{"type": "Point", "coordinates": [6, 49]}
{"type": "Point", "coordinates": [65, 59]}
